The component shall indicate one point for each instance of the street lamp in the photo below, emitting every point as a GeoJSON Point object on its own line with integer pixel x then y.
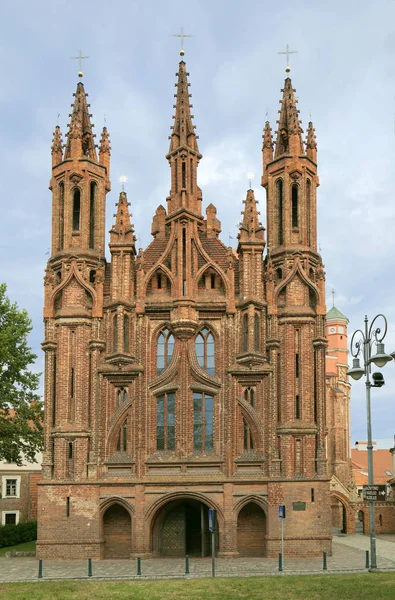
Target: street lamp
{"type": "Point", "coordinates": [363, 346]}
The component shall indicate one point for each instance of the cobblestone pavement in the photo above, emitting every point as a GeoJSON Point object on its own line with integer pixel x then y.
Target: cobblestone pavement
{"type": "Point", "coordinates": [348, 556]}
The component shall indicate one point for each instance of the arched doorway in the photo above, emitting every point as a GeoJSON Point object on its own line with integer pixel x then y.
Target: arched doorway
{"type": "Point", "coordinates": [180, 528]}
{"type": "Point", "coordinates": [117, 532]}
{"type": "Point", "coordinates": [339, 516]}
{"type": "Point", "coordinates": [359, 521]}
{"type": "Point", "coordinates": [251, 531]}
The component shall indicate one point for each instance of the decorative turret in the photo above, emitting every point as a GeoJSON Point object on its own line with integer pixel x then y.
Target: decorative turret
{"type": "Point", "coordinates": [311, 144]}
{"type": "Point", "coordinates": [57, 147]}
{"type": "Point", "coordinates": [289, 132]}
{"type": "Point", "coordinates": [105, 150]}
{"type": "Point", "coordinates": [183, 153]}
{"type": "Point", "coordinates": [267, 147]}
{"type": "Point", "coordinates": [250, 227]}
{"type": "Point", "coordinates": [80, 138]}
{"type": "Point", "coordinates": [122, 232]}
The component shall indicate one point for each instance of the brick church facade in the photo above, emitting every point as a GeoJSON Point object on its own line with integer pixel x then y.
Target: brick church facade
{"type": "Point", "coordinates": [185, 376]}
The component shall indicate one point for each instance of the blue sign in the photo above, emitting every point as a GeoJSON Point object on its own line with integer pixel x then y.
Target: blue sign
{"type": "Point", "coordinates": [211, 519]}
{"type": "Point", "coordinates": [281, 511]}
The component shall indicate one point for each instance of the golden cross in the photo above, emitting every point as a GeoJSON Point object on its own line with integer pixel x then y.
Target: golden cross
{"type": "Point", "coordinates": [287, 53]}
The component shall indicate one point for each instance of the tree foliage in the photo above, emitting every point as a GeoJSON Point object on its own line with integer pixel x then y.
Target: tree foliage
{"type": "Point", "coordinates": [20, 407]}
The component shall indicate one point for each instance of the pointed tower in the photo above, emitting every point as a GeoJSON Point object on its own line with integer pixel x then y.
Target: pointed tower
{"type": "Point", "coordinates": [123, 251]}
{"type": "Point", "coordinates": [296, 309]}
{"type": "Point", "coordinates": [183, 155]}
{"type": "Point", "coordinates": [73, 308]}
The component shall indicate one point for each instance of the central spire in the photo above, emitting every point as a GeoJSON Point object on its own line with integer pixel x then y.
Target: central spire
{"type": "Point", "coordinates": [183, 155]}
{"type": "Point", "coordinates": [80, 137]}
{"type": "Point", "coordinates": [289, 133]}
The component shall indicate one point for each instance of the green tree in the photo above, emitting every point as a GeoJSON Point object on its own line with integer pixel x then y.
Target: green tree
{"type": "Point", "coordinates": [20, 408]}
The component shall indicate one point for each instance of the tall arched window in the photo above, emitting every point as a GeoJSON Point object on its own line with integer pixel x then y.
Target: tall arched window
{"type": "Point", "coordinates": [61, 215]}
{"type": "Point", "coordinates": [92, 215]}
{"type": "Point", "coordinates": [308, 209]}
{"type": "Point", "coordinates": [203, 422]}
{"type": "Point", "coordinates": [164, 350]}
{"type": "Point", "coordinates": [165, 422]}
{"type": "Point", "coordinates": [115, 333]}
{"type": "Point", "coordinates": [257, 323]}
{"type": "Point", "coordinates": [205, 351]}
{"type": "Point", "coordinates": [295, 206]}
{"type": "Point", "coordinates": [76, 210]}
{"type": "Point", "coordinates": [126, 333]}
{"type": "Point", "coordinates": [280, 211]}
{"type": "Point", "coordinates": [245, 332]}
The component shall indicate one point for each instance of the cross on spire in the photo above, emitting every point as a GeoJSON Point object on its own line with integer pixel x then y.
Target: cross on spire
{"type": "Point", "coordinates": [287, 53]}
{"type": "Point", "coordinates": [333, 297]}
{"type": "Point", "coordinates": [80, 58]}
{"type": "Point", "coordinates": [182, 35]}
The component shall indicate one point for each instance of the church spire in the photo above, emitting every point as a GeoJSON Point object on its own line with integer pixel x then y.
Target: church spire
{"type": "Point", "coordinates": [311, 144]}
{"type": "Point", "coordinates": [105, 150]}
{"type": "Point", "coordinates": [250, 228]}
{"type": "Point", "coordinates": [267, 147]}
{"type": "Point", "coordinates": [80, 137]}
{"type": "Point", "coordinates": [122, 232]}
{"type": "Point", "coordinates": [183, 155]}
{"type": "Point", "coordinates": [289, 132]}
{"type": "Point", "coordinates": [57, 146]}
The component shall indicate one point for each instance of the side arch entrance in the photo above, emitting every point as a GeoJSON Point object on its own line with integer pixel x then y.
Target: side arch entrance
{"type": "Point", "coordinates": [251, 531]}
{"type": "Point", "coordinates": [117, 532]}
{"type": "Point", "coordinates": [339, 516]}
{"type": "Point", "coordinates": [181, 527]}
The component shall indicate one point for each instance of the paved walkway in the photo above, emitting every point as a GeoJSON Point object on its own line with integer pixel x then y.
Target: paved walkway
{"type": "Point", "coordinates": [348, 556]}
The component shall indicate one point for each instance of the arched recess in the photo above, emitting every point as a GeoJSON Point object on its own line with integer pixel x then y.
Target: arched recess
{"type": "Point", "coordinates": [339, 506]}
{"type": "Point", "coordinates": [251, 529]}
{"type": "Point", "coordinates": [210, 282]}
{"type": "Point", "coordinates": [178, 525]}
{"type": "Point", "coordinates": [298, 272]}
{"type": "Point", "coordinates": [160, 283]}
{"type": "Point", "coordinates": [74, 273]}
{"type": "Point", "coordinates": [112, 438]}
{"type": "Point", "coordinates": [251, 417]}
{"type": "Point", "coordinates": [117, 520]}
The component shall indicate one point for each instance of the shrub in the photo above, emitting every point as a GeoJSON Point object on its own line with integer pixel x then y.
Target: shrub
{"type": "Point", "coordinates": [11, 535]}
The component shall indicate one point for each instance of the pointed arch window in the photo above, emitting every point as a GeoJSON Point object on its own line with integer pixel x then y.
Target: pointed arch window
{"type": "Point", "coordinates": [295, 217]}
{"type": "Point", "coordinates": [248, 444]}
{"type": "Point", "coordinates": [245, 332]}
{"type": "Point", "coordinates": [205, 350]}
{"type": "Point", "coordinates": [165, 422]}
{"type": "Point", "coordinates": [61, 215]}
{"type": "Point", "coordinates": [308, 209]}
{"type": "Point", "coordinates": [92, 201]}
{"type": "Point", "coordinates": [76, 210]}
{"type": "Point", "coordinates": [203, 422]}
{"type": "Point", "coordinates": [257, 326]}
{"type": "Point", "coordinates": [280, 211]}
{"type": "Point", "coordinates": [164, 352]}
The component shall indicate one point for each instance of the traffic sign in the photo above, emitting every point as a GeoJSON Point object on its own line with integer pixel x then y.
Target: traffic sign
{"type": "Point", "coordinates": [281, 511]}
{"type": "Point", "coordinates": [212, 513]}
{"type": "Point", "coordinates": [375, 493]}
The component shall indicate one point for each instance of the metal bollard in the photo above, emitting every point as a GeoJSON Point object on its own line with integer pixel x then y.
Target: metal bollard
{"type": "Point", "coordinates": [138, 565]}
{"type": "Point", "coordinates": [280, 562]}
{"type": "Point", "coordinates": [89, 567]}
{"type": "Point", "coordinates": [187, 565]}
{"type": "Point", "coordinates": [324, 566]}
{"type": "Point", "coordinates": [367, 560]}
{"type": "Point", "coordinates": [40, 569]}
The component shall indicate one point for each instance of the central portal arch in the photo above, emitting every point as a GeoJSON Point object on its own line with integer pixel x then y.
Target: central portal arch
{"type": "Point", "coordinates": [181, 527]}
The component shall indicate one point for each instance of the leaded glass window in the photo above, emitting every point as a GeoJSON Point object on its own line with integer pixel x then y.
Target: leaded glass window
{"type": "Point", "coordinates": [165, 349]}
{"type": "Point", "coordinates": [203, 422]}
{"type": "Point", "coordinates": [165, 422]}
{"type": "Point", "coordinates": [205, 351]}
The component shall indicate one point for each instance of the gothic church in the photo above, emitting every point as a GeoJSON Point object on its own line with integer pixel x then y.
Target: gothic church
{"type": "Point", "coordinates": [188, 375]}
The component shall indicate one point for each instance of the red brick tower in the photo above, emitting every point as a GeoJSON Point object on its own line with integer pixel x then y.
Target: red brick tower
{"type": "Point", "coordinates": [296, 324]}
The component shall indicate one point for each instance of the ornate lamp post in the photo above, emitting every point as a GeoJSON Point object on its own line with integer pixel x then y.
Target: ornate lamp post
{"type": "Point", "coordinates": [361, 343]}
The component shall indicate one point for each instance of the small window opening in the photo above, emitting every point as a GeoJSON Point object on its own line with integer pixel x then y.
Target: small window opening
{"type": "Point", "coordinates": [68, 506]}
{"type": "Point", "coordinates": [184, 175]}
{"type": "Point", "coordinates": [159, 281]}
{"type": "Point", "coordinates": [212, 281]}
{"type": "Point", "coordinates": [294, 206]}
{"type": "Point", "coordinates": [297, 407]}
{"type": "Point", "coordinates": [92, 276]}
{"type": "Point", "coordinates": [296, 365]}
{"type": "Point", "coordinates": [312, 494]}
{"type": "Point", "coordinates": [70, 450]}
{"type": "Point", "coordinates": [76, 210]}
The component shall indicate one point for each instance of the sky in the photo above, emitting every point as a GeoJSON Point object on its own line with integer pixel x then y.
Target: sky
{"type": "Point", "coordinates": [344, 75]}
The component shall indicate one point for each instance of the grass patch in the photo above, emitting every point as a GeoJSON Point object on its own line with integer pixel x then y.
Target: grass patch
{"type": "Point", "coordinates": [25, 547]}
{"type": "Point", "coordinates": [329, 587]}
